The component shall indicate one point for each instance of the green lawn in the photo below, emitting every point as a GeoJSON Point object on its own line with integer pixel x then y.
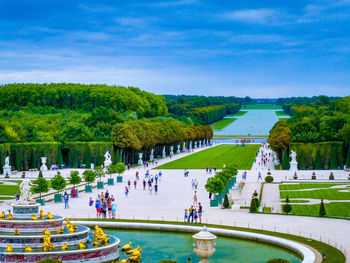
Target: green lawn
{"type": "Point", "coordinates": [283, 119]}
{"type": "Point", "coordinates": [296, 201]}
{"type": "Point", "coordinates": [332, 209]}
{"type": "Point", "coordinates": [309, 186]}
{"type": "Point", "coordinates": [242, 156]}
{"type": "Point", "coordinates": [262, 107]}
{"type": "Point", "coordinates": [240, 113]}
{"type": "Point", "coordinates": [219, 125]}
{"type": "Point", "coordinates": [330, 194]}
{"type": "Point", "coordinates": [281, 113]}
{"type": "Point", "coordinates": [9, 189]}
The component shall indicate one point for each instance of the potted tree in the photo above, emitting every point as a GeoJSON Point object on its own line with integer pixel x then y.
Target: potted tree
{"type": "Point", "coordinates": [120, 169]}
{"type": "Point", "coordinates": [111, 169]}
{"type": "Point", "coordinates": [58, 183]}
{"type": "Point", "coordinates": [41, 185]}
{"type": "Point", "coordinates": [74, 179]}
{"type": "Point", "coordinates": [214, 185]}
{"type": "Point", "coordinates": [99, 173]}
{"type": "Point", "coordinates": [89, 177]}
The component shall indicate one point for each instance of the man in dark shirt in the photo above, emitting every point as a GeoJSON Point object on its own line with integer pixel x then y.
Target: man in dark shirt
{"type": "Point", "coordinates": [200, 211]}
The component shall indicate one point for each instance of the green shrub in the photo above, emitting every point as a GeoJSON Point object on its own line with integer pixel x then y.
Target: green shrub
{"type": "Point", "coordinates": [322, 211]}
{"type": "Point", "coordinates": [226, 203]}
{"type": "Point", "coordinates": [40, 174]}
{"type": "Point", "coordinates": [313, 177]}
{"type": "Point", "coordinates": [7, 175]}
{"type": "Point", "coordinates": [74, 178]}
{"type": "Point", "coordinates": [58, 183]}
{"type": "Point", "coordinates": [295, 176]}
{"type": "Point", "coordinates": [252, 208]}
{"type": "Point", "coordinates": [41, 185]}
{"type": "Point", "coordinates": [269, 179]}
{"type": "Point", "coordinates": [49, 260]}
{"type": "Point", "coordinates": [23, 175]}
{"type": "Point", "coordinates": [278, 260]}
{"type": "Point", "coordinates": [269, 172]}
{"type": "Point", "coordinates": [331, 176]}
{"type": "Point", "coordinates": [89, 176]}
{"type": "Point", "coordinates": [287, 208]}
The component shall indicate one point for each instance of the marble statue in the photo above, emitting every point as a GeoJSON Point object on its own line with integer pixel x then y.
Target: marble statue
{"type": "Point", "coordinates": [178, 148]}
{"type": "Point", "coordinates": [163, 153]}
{"type": "Point", "coordinates": [108, 159]}
{"type": "Point", "coordinates": [151, 157]}
{"type": "Point", "coordinates": [140, 159]}
{"type": "Point", "coordinates": [171, 150]}
{"type": "Point", "coordinates": [43, 167]}
{"type": "Point", "coordinates": [26, 195]}
{"type": "Point", "coordinates": [7, 161]}
{"type": "Point", "coordinates": [293, 155]}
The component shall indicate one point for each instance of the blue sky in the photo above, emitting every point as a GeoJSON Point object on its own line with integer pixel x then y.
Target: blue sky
{"type": "Point", "coordinates": [209, 47]}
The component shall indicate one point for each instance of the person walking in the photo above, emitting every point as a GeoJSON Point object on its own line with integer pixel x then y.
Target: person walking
{"type": "Point", "coordinates": [114, 208]}
{"type": "Point", "coordinates": [195, 199]}
{"type": "Point", "coordinates": [195, 184]}
{"type": "Point", "coordinates": [144, 184]}
{"type": "Point", "coordinates": [135, 183]}
{"type": "Point", "coordinates": [126, 191]}
{"type": "Point", "coordinates": [156, 188]}
{"type": "Point", "coordinates": [200, 211]}
{"type": "Point", "coordinates": [66, 198]}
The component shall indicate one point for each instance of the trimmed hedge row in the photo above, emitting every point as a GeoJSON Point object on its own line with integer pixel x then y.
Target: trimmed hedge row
{"type": "Point", "coordinates": [319, 156]}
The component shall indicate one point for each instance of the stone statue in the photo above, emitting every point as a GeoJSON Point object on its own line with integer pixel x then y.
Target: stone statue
{"type": "Point", "coordinates": [151, 157]}
{"type": "Point", "coordinates": [163, 153]}
{"type": "Point", "coordinates": [293, 155]}
{"type": "Point", "coordinates": [7, 161]}
{"type": "Point", "coordinates": [178, 148]}
{"type": "Point", "coordinates": [171, 150]}
{"type": "Point", "coordinates": [43, 167]}
{"type": "Point", "coordinates": [108, 159]}
{"type": "Point", "coordinates": [140, 159]}
{"type": "Point", "coordinates": [26, 195]}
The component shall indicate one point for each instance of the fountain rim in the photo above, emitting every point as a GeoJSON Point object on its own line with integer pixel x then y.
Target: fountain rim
{"type": "Point", "coordinates": [28, 221]}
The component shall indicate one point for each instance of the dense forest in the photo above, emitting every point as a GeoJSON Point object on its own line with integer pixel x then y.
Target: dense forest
{"type": "Point", "coordinates": [314, 121]}
{"type": "Point", "coordinates": [71, 112]}
{"type": "Point", "coordinates": [203, 110]}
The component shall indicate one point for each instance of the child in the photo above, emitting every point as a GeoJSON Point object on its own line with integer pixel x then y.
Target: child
{"type": "Point", "coordinates": [186, 216]}
{"type": "Point", "coordinates": [195, 215]}
{"type": "Point", "coordinates": [91, 202]}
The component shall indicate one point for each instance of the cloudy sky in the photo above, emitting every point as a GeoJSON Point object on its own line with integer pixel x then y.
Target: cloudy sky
{"type": "Point", "coordinates": [210, 47]}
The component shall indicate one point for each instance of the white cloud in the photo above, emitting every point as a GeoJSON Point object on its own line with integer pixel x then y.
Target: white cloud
{"type": "Point", "coordinates": [254, 16]}
{"type": "Point", "coordinates": [173, 3]}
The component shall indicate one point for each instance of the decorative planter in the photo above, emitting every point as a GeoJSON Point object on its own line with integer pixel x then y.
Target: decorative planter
{"type": "Point", "coordinates": [58, 198]}
{"type": "Point", "coordinates": [119, 179]}
{"type": "Point", "coordinates": [214, 203]}
{"type": "Point", "coordinates": [99, 185]}
{"type": "Point", "coordinates": [40, 201]}
{"type": "Point", "coordinates": [88, 188]}
{"type": "Point", "coordinates": [111, 181]}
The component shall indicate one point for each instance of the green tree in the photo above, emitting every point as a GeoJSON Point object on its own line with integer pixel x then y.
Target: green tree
{"type": "Point", "coordinates": [322, 211]}
{"type": "Point", "coordinates": [59, 159]}
{"type": "Point", "coordinates": [74, 178]}
{"type": "Point", "coordinates": [99, 172]}
{"type": "Point", "coordinates": [252, 208]}
{"type": "Point", "coordinates": [226, 203]}
{"type": "Point", "coordinates": [318, 161]}
{"type": "Point", "coordinates": [120, 168]}
{"type": "Point", "coordinates": [89, 176]}
{"type": "Point", "coordinates": [348, 158]}
{"type": "Point", "coordinates": [255, 194]}
{"type": "Point", "coordinates": [58, 183]}
{"type": "Point", "coordinates": [40, 185]}
{"type": "Point", "coordinates": [334, 163]}
{"type": "Point", "coordinates": [111, 169]}
{"type": "Point", "coordinates": [87, 156]}
{"type": "Point", "coordinates": [285, 161]}
{"type": "Point", "coordinates": [214, 185]}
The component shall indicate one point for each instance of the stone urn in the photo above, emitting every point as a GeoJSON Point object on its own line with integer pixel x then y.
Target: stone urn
{"type": "Point", "coordinates": [204, 248]}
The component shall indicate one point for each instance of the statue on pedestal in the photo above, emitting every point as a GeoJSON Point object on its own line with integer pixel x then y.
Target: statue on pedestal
{"type": "Point", "coordinates": [163, 153]}
{"type": "Point", "coordinates": [7, 161]}
{"type": "Point", "coordinates": [293, 163]}
{"type": "Point", "coordinates": [171, 150]}
{"type": "Point", "coordinates": [26, 194]}
{"type": "Point", "coordinates": [140, 162]}
{"type": "Point", "coordinates": [178, 148]}
{"type": "Point", "coordinates": [151, 157]}
{"type": "Point", "coordinates": [7, 167]}
{"type": "Point", "coordinates": [108, 159]}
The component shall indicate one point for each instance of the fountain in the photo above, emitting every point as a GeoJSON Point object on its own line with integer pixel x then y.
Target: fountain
{"type": "Point", "coordinates": [28, 235]}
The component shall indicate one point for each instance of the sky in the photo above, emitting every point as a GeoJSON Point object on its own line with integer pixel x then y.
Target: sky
{"type": "Point", "coordinates": [261, 49]}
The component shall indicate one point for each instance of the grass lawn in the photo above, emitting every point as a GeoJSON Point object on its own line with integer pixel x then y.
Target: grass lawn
{"type": "Point", "coordinates": [296, 201]}
{"type": "Point", "coordinates": [283, 119]}
{"type": "Point", "coordinates": [9, 189]}
{"type": "Point", "coordinates": [6, 197]}
{"type": "Point", "coordinates": [242, 156]}
{"type": "Point", "coordinates": [240, 113]}
{"type": "Point", "coordinates": [332, 209]}
{"type": "Point", "coordinates": [281, 113]}
{"type": "Point", "coordinates": [330, 194]}
{"type": "Point", "coordinates": [262, 107]}
{"type": "Point", "coordinates": [219, 125]}
{"type": "Point", "coordinates": [309, 186]}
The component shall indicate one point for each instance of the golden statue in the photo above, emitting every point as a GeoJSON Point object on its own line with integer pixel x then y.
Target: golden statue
{"type": "Point", "coordinates": [33, 217]}
{"type": "Point", "coordinates": [71, 229]}
{"type": "Point", "coordinates": [9, 248]}
{"type": "Point", "coordinates": [68, 223]}
{"type": "Point", "coordinates": [47, 246]}
{"type": "Point", "coordinates": [81, 245]}
{"type": "Point", "coordinates": [10, 217]}
{"type": "Point", "coordinates": [95, 243]}
{"type": "Point", "coordinates": [126, 247]}
{"type": "Point", "coordinates": [41, 215]}
{"type": "Point", "coordinates": [46, 232]}
{"type": "Point", "coordinates": [60, 231]}
{"type": "Point", "coordinates": [49, 216]}
{"type": "Point", "coordinates": [2, 215]}
{"type": "Point", "coordinates": [75, 227]}
{"type": "Point", "coordinates": [16, 232]}
{"type": "Point", "coordinates": [65, 246]}
{"type": "Point", "coordinates": [28, 249]}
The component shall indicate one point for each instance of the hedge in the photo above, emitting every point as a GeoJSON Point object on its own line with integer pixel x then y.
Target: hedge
{"type": "Point", "coordinates": [322, 155]}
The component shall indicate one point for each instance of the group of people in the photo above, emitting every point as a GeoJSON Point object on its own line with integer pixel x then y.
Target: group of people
{"type": "Point", "coordinates": [209, 170]}
{"type": "Point", "coordinates": [264, 157]}
{"type": "Point", "coordinates": [194, 213]}
{"type": "Point", "coordinates": [150, 182]}
{"type": "Point", "coordinates": [105, 205]}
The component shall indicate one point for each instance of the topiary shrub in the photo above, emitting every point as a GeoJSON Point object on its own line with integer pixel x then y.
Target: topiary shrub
{"type": "Point", "coordinates": [49, 260]}
{"type": "Point", "coordinates": [331, 176]}
{"type": "Point", "coordinates": [278, 260]}
{"type": "Point", "coordinates": [7, 175]}
{"type": "Point", "coordinates": [295, 176]}
{"type": "Point", "coordinates": [269, 179]}
{"type": "Point", "coordinates": [268, 172]}
{"type": "Point", "coordinates": [40, 174]}
{"type": "Point", "coordinates": [322, 211]}
{"type": "Point", "coordinates": [226, 203]}
{"type": "Point", "coordinates": [252, 208]}
{"type": "Point", "coordinates": [313, 177]}
{"type": "Point", "coordinates": [23, 175]}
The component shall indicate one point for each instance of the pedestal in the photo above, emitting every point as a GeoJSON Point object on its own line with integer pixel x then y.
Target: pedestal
{"type": "Point", "coordinates": [7, 170]}
{"type": "Point", "coordinates": [293, 166]}
{"type": "Point", "coordinates": [25, 211]}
